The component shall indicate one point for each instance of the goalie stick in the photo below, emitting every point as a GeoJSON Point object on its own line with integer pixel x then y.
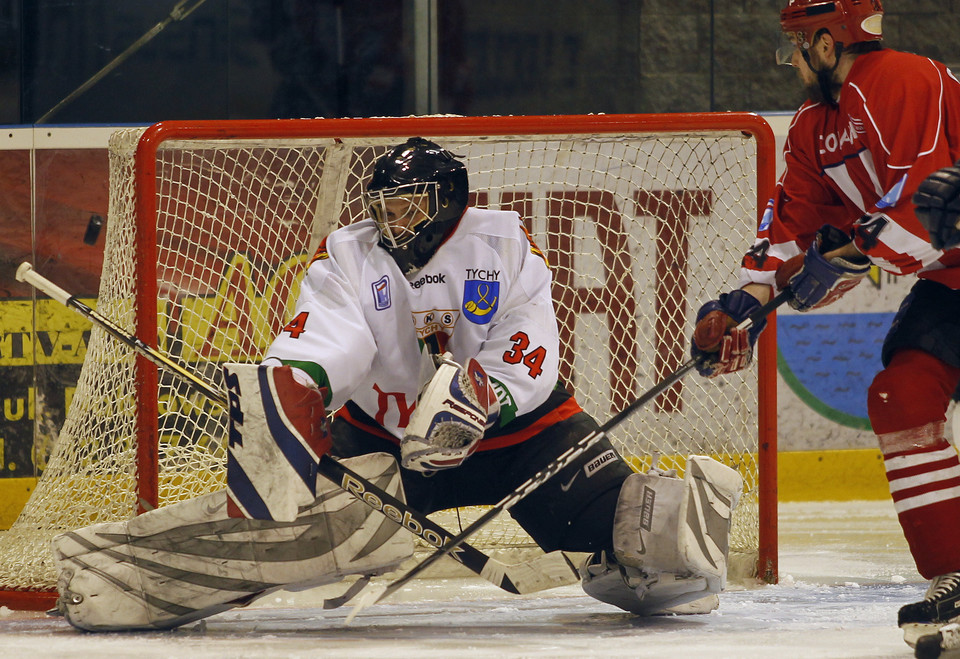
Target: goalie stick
{"type": "Point", "coordinates": [545, 571]}
{"type": "Point", "coordinates": [560, 462]}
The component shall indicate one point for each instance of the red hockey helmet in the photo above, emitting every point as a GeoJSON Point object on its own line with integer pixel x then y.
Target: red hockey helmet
{"type": "Point", "coordinates": [849, 21]}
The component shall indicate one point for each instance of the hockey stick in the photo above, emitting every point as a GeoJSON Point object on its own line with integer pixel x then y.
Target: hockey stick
{"type": "Point", "coordinates": [540, 573]}
{"type": "Point", "coordinates": [180, 11]}
{"type": "Point", "coordinates": [564, 459]}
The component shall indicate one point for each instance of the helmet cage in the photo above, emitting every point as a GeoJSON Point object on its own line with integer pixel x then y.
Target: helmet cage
{"type": "Point", "coordinates": [435, 182]}
{"type": "Point", "coordinates": [399, 223]}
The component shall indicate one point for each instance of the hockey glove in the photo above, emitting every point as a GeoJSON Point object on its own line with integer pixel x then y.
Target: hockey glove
{"type": "Point", "coordinates": [938, 206]}
{"type": "Point", "coordinates": [717, 345]}
{"type": "Point", "coordinates": [454, 410]}
{"type": "Point", "coordinates": [816, 282]}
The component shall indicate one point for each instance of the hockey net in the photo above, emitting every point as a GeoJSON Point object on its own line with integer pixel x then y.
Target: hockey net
{"type": "Point", "coordinates": [642, 219]}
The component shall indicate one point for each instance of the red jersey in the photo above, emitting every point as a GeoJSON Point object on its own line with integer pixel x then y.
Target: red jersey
{"type": "Point", "coordinates": [856, 166]}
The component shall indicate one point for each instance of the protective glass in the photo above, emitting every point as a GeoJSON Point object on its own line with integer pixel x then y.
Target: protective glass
{"type": "Point", "coordinates": [399, 212]}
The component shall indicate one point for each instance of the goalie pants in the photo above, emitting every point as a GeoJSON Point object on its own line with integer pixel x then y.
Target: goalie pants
{"type": "Point", "coordinates": [907, 404]}
{"type": "Point", "coordinates": [572, 511]}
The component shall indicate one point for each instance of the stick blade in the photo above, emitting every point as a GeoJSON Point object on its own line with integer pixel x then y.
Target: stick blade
{"type": "Point", "coordinates": [367, 599]}
{"type": "Point", "coordinates": [544, 572]}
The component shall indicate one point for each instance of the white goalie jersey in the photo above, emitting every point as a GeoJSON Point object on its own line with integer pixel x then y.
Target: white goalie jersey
{"type": "Point", "coordinates": [359, 323]}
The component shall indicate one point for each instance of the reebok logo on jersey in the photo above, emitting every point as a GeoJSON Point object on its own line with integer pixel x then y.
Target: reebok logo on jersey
{"type": "Point", "coordinates": [429, 279]}
{"type": "Point", "coordinates": [599, 462]}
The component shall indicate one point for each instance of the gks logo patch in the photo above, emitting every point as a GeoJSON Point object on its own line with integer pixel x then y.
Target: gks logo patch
{"type": "Point", "coordinates": [480, 300]}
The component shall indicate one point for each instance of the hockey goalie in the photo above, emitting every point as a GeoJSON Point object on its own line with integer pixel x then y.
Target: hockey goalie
{"type": "Point", "coordinates": [429, 327]}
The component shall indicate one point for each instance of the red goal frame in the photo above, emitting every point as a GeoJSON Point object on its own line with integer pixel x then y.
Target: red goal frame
{"type": "Point", "coordinates": [749, 123]}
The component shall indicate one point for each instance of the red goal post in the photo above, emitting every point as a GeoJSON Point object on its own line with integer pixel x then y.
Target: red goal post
{"type": "Point", "coordinates": [642, 218]}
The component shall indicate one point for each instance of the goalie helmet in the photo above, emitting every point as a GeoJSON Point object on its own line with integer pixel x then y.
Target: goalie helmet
{"type": "Point", "coordinates": [416, 195]}
{"type": "Point", "coordinates": [848, 21]}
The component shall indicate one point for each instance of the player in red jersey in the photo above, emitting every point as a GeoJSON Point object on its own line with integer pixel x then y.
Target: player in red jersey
{"type": "Point", "coordinates": [877, 123]}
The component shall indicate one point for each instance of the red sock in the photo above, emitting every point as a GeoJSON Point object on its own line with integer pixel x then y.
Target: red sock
{"type": "Point", "coordinates": [907, 403]}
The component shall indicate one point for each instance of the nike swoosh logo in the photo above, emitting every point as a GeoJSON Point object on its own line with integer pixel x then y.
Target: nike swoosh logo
{"type": "Point", "coordinates": [566, 486]}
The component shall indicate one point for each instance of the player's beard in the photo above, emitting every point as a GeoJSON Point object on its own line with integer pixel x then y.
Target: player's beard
{"type": "Point", "coordinates": [823, 88]}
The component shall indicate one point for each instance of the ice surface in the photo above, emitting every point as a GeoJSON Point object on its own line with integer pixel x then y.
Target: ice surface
{"type": "Point", "coordinates": [844, 568]}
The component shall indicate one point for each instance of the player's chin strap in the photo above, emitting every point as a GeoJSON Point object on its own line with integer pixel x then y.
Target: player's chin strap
{"type": "Point", "coordinates": [566, 458]}
{"type": "Point", "coordinates": [540, 573]}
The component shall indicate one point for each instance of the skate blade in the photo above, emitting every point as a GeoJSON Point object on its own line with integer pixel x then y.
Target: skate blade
{"type": "Point", "coordinates": [366, 599]}
{"type": "Point", "coordinates": [940, 645]}
{"type": "Point", "coordinates": [914, 631]}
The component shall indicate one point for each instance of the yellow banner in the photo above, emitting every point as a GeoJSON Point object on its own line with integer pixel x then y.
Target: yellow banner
{"type": "Point", "coordinates": [237, 323]}
{"type": "Point", "coordinates": [61, 334]}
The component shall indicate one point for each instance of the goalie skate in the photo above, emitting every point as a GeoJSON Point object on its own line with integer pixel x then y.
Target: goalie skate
{"type": "Point", "coordinates": [191, 560]}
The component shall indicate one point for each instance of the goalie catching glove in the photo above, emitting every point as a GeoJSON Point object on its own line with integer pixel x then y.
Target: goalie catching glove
{"type": "Point", "coordinates": [938, 206]}
{"type": "Point", "coordinates": [452, 413]}
{"type": "Point", "coordinates": [815, 281]}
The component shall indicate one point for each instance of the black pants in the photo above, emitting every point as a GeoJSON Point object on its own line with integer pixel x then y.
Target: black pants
{"type": "Point", "coordinates": [928, 320]}
{"type": "Point", "coordinates": [572, 511]}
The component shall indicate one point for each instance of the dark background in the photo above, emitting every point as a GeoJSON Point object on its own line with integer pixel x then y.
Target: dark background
{"type": "Point", "coordinates": [243, 59]}
{"type": "Point", "coordinates": [262, 59]}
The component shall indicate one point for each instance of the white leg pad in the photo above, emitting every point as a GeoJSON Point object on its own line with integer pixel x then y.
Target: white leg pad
{"type": "Point", "coordinates": [670, 540]}
{"type": "Point", "coordinates": [278, 431]}
{"type": "Point", "coordinates": [190, 560]}
{"type": "Point", "coordinates": [712, 491]}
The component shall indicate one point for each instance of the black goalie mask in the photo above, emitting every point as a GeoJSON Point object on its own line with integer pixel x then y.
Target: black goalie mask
{"type": "Point", "coordinates": [416, 195]}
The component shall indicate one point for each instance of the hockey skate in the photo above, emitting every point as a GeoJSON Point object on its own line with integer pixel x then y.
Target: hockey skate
{"type": "Point", "coordinates": [939, 608]}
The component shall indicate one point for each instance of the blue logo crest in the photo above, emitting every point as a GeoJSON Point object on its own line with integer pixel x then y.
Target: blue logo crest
{"type": "Point", "coordinates": [381, 293]}
{"type": "Point", "coordinates": [893, 196]}
{"type": "Point", "coordinates": [480, 300]}
{"type": "Point", "coordinates": [767, 216]}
